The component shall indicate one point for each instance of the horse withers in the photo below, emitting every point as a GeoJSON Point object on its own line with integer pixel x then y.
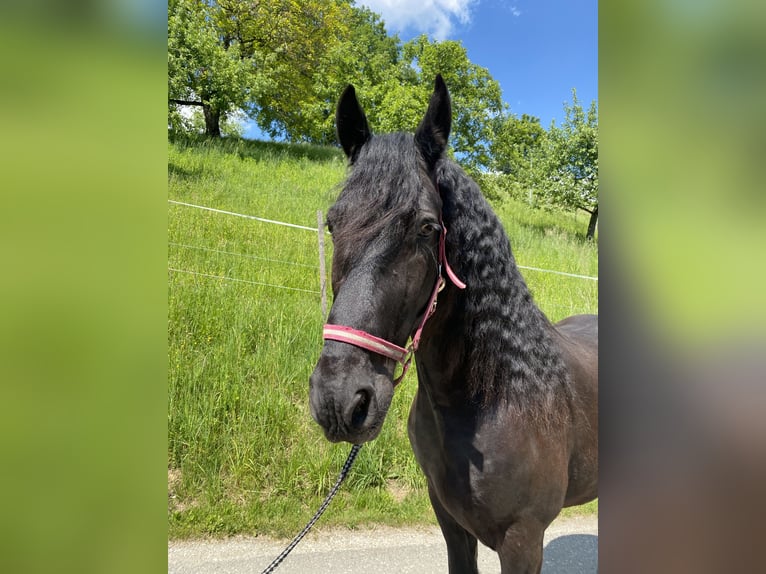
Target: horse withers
{"type": "Point", "coordinates": [504, 423]}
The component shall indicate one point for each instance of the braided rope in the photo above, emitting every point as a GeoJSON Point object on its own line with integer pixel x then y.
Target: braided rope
{"type": "Point", "coordinates": [344, 471]}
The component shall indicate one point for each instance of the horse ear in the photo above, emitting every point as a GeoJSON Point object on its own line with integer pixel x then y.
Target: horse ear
{"type": "Point", "coordinates": [351, 123]}
{"type": "Point", "coordinates": [433, 132]}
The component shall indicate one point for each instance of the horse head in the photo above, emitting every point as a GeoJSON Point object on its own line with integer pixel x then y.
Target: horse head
{"type": "Point", "coordinates": [386, 229]}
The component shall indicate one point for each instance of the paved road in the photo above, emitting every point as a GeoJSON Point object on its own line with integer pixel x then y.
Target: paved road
{"type": "Point", "coordinates": [571, 547]}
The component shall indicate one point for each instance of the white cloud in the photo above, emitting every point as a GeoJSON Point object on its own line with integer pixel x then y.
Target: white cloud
{"type": "Point", "coordinates": [434, 17]}
{"type": "Point", "coordinates": [515, 11]}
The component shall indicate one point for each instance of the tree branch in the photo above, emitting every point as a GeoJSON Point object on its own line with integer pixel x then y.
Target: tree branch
{"type": "Point", "coordinates": [185, 102]}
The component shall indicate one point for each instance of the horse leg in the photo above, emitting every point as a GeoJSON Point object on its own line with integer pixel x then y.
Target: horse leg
{"type": "Point", "coordinates": [461, 545]}
{"type": "Point", "coordinates": [522, 549]}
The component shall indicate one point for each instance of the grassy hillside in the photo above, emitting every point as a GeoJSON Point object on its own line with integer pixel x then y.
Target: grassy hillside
{"type": "Point", "coordinates": [244, 331]}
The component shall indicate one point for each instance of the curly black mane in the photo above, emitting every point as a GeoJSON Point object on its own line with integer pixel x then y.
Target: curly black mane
{"type": "Point", "coordinates": [508, 339]}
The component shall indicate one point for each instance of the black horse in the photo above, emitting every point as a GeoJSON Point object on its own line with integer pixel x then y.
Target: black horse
{"type": "Point", "coordinates": [504, 423]}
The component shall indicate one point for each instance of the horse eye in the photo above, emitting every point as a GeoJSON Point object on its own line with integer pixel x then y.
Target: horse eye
{"type": "Point", "coordinates": [428, 228]}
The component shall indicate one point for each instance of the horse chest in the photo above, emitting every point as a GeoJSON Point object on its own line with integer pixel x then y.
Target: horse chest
{"type": "Point", "coordinates": [484, 473]}
{"type": "Point", "coordinates": [465, 472]}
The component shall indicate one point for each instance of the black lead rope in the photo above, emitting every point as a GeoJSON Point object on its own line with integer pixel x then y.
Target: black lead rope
{"type": "Point", "coordinates": [344, 471]}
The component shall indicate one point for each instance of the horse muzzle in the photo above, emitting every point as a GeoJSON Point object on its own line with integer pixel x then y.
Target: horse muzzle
{"type": "Point", "coordinates": [349, 404]}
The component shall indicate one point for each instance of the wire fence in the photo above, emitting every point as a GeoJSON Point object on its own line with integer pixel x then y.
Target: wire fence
{"type": "Point", "coordinates": [267, 259]}
{"type": "Point", "coordinates": [261, 219]}
{"type": "Point", "coordinates": [321, 280]}
{"type": "Point", "coordinates": [240, 280]}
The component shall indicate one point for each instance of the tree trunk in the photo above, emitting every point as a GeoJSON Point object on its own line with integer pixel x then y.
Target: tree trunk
{"type": "Point", "coordinates": [212, 121]}
{"type": "Point", "coordinates": [592, 224]}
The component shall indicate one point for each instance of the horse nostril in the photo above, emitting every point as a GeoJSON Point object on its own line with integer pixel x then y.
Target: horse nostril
{"type": "Point", "coordinates": [361, 407]}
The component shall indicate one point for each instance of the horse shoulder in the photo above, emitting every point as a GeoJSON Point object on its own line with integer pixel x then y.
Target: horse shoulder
{"type": "Point", "coordinates": [578, 340]}
{"type": "Point", "coordinates": [577, 337]}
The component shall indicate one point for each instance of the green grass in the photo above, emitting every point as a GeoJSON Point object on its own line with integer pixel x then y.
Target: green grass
{"type": "Point", "coordinates": [553, 241]}
{"type": "Point", "coordinates": [244, 455]}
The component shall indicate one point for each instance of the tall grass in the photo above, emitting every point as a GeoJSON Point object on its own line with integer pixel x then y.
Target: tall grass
{"type": "Point", "coordinates": [553, 241]}
{"type": "Point", "coordinates": [243, 452]}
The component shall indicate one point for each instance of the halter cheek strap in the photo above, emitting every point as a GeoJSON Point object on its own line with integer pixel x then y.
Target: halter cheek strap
{"type": "Point", "coordinates": [443, 259]}
{"type": "Point", "coordinates": [401, 355]}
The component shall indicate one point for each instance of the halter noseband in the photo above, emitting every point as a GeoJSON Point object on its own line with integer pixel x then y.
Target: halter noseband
{"type": "Point", "coordinates": [401, 355]}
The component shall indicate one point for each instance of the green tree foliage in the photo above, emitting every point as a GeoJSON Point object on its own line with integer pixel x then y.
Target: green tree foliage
{"type": "Point", "coordinates": [394, 81]}
{"type": "Point", "coordinates": [289, 40]}
{"type": "Point", "coordinates": [570, 179]}
{"type": "Point", "coordinates": [285, 62]}
{"type": "Point", "coordinates": [516, 142]}
{"type": "Point", "coordinates": [366, 57]}
{"type": "Point", "coordinates": [203, 70]}
{"type": "Point", "coordinates": [476, 97]}
{"type": "Point", "coordinates": [551, 168]}
{"type": "Point", "coordinates": [258, 55]}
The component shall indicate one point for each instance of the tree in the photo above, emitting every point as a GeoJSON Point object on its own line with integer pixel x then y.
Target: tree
{"type": "Point", "coordinates": [476, 96]}
{"type": "Point", "coordinates": [393, 80]}
{"type": "Point", "coordinates": [366, 58]}
{"type": "Point", "coordinates": [557, 167]}
{"type": "Point", "coordinates": [516, 150]}
{"type": "Point", "coordinates": [572, 180]}
{"type": "Point", "coordinates": [257, 55]}
{"type": "Point", "coordinates": [516, 141]}
{"type": "Point", "coordinates": [203, 70]}
{"type": "Point", "coordinates": [286, 62]}
{"type": "Point", "coordinates": [288, 40]}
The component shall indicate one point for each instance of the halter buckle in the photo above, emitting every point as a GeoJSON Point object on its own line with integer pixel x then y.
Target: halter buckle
{"type": "Point", "coordinates": [405, 363]}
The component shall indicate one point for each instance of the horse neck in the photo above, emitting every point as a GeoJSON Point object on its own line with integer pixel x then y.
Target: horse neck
{"type": "Point", "coordinates": [490, 341]}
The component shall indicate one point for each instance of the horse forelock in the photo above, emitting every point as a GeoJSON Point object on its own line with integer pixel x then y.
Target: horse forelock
{"type": "Point", "coordinates": [509, 348]}
{"type": "Point", "coordinates": [381, 195]}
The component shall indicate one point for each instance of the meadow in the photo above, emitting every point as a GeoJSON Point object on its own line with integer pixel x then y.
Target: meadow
{"type": "Point", "coordinates": [244, 332]}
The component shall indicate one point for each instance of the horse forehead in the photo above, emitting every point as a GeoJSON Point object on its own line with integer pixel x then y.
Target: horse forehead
{"type": "Point", "coordinates": [387, 188]}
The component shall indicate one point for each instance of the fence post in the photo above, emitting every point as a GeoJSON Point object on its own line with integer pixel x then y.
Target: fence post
{"type": "Point", "coordinates": [322, 273]}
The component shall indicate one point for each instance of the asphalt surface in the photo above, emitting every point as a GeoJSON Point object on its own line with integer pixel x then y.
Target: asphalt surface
{"type": "Point", "coordinates": [571, 547]}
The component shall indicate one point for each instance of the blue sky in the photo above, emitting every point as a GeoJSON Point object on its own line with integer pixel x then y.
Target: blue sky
{"type": "Point", "coordinates": [537, 49]}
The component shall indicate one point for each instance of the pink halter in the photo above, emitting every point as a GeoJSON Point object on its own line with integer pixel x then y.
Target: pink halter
{"type": "Point", "coordinates": [401, 355]}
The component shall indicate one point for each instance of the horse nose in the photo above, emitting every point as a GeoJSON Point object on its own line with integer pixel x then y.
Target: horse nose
{"type": "Point", "coordinates": [342, 410]}
{"type": "Point", "coordinates": [359, 409]}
